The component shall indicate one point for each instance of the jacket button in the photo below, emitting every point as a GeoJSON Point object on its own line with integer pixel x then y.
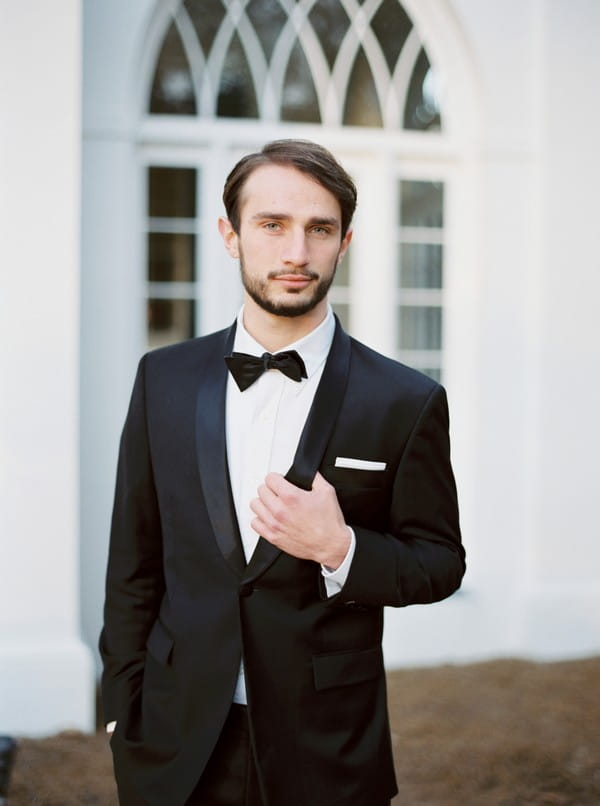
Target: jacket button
{"type": "Point", "coordinates": [246, 589]}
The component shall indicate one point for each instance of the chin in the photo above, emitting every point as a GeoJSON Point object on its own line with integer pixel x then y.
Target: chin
{"type": "Point", "coordinates": [293, 302]}
{"type": "Point", "coordinates": [288, 310]}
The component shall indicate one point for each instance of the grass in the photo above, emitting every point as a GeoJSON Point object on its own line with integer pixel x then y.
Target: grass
{"type": "Point", "coordinates": [504, 733]}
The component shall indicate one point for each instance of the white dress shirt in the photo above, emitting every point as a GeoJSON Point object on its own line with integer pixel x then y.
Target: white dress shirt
{"type": "Point", "coordinates": [263, 428]}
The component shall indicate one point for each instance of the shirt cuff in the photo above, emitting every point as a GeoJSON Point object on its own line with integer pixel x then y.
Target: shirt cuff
{"type": "Point", "coordinates": [110, 727]}
{"type": "Point", "coordinates": [335, 580]}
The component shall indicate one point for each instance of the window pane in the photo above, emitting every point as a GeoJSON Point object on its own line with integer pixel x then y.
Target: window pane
{"type": "Point", "coordinates": [171, 257]}
{"type": "Point", "coordinates": [343, 312]}
{"type": "Point", "coordinates": [362, 105]}
{"type": "Point", "coordinates": [330, 22]}
{"type": "Point", "coordinates": [420, 265]}
{"type": "Point", "coordinates": [420, 327]}
{"type": "Point", "coordinates": [421, 204]}
{"type": "Point", "coordinates": [206, 16]}
{"type": "Point", "coordinates": [172, 192]}
{"type": "Point", "coordinates": [172, 88]}
{"type": "Point", "coordinates": [299, 102]}
{"type": "Point", "coordinates": [237, 98]}
{"type": "Point", "coordinates": [342, 274]}
{"type": "Point", "coordinates": [436, 373]}
{"type": "Point", "coordinates": [433, 372]}
{"type": "Point", "coordinates": [391, 26]}
{"type": "Point", "coordinates": [268, 18]}
{"type": "Point", "coordinates": [169, 321]}
{"type": "Point", "coordinates": [422, 111]}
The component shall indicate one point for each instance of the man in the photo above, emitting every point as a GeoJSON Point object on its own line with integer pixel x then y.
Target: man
{"type": "Point", "coordinates": [242, 670]}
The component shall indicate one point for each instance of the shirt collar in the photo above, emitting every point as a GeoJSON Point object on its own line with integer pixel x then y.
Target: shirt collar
{"type": "Point", "coordinates": [314, 347]}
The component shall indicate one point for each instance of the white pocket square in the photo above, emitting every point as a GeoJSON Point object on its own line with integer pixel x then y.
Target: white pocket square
{"type": "Point", "coordinates": [359, 464]}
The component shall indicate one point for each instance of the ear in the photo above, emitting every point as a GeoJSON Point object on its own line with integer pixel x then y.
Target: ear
{"type": "Point", "coordinates": [230, 238]}
{"type": "Point", "coordinates": [344, 245]}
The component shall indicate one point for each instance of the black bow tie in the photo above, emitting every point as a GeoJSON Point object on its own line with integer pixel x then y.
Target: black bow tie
{"type": "Point", "coordinates": [248, 368]}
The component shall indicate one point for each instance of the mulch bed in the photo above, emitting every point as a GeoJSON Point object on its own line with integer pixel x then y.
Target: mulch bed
{"type": "Point", "coordinates": [505, 733]}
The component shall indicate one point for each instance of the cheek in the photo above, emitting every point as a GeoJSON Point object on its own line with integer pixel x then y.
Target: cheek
{"type": "Point", "coordinates": [330, 258]}
{"type": "Point", "coordinates": [256, 246]}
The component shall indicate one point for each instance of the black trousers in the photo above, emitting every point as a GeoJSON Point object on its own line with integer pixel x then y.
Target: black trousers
{"type": "Point", "coordinates": [229, 778]}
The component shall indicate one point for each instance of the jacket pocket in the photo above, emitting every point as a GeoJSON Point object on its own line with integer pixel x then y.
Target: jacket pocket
{"type": "Point", "coordinates": [160, 644]}
{"type": "Point", "coordinates": [355, 479]}
{"type": "Point", "coordinates": [347, 668]}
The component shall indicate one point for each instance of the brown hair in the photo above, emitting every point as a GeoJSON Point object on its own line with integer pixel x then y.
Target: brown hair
{"type": "Point", "coordinates": [305, 156]}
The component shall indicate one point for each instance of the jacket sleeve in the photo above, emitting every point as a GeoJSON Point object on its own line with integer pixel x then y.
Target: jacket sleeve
{"type": "Point", "coordinates": [421, 558]}
{"type": "Point", "coordinates": [134, 580]}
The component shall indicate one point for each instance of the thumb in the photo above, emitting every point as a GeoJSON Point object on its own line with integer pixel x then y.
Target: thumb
{"type": "Point", "coordinates": [320, 483]}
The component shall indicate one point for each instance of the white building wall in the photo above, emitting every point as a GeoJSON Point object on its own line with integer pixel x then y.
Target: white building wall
{"type": "Point", "coordinates": [523, 163]}
{"type": "Point", "coordinates": [509, 68]}
{"type": "Point", "coordinates": [522, 349]}
{"type": "Point", "coordinates": [530, 524]}
{"type": "Point", "coordinates": [113, 288]}
{"type": "Point", "coordinates": [46, 672]}
{"type": "Point", "coordinates": [563, 607]}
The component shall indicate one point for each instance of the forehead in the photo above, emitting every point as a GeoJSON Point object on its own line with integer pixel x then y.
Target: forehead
{"type": "Point", "coordinates": [284, 189]}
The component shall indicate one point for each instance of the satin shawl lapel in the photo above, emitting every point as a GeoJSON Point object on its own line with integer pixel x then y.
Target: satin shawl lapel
{"type": "Point", "coordinates": [314, 438]}
{"type": "Point", "coordinates": [211, 451]}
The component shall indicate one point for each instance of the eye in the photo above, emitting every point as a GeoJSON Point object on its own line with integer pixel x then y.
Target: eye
{"type": "Point", "coordinates": [321, 230]}
{"type": "Point", "coordinates": [272, 226]}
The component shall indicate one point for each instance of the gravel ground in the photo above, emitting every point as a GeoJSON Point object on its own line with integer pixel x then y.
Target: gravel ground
{"type": "Point", "coordinates": [505, 733]}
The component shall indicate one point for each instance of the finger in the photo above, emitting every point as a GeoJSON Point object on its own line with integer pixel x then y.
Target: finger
{"type": "Point", "coordinates": [280, 486]}
{"type": "Point", "coordinates": [272, 503]}
{"type": "Point", "coordinates": [320, 482]}
{"type": "Point", "coordinates": [260, 509]}
{"type": "Point", "coordinates": [273, 520]}
{"type": "Point", "coordinates": [262, 528]}
{"type": "Point", "coordinates": [275, 481]}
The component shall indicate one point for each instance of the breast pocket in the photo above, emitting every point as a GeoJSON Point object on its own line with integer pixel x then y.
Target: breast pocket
{"type": "Point", "coordinates": [354, 479]}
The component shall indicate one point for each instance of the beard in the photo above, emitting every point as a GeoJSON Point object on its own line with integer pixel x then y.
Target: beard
{"type": "Point", "coordinates": [297, 302]}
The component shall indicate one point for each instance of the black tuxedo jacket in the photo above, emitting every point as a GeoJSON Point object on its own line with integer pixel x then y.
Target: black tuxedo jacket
{"type": "Point", "coordinates": [182, 606]}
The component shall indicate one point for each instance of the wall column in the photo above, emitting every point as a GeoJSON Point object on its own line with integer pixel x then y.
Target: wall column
{"type": "Point", "coordinates": [46, 672]}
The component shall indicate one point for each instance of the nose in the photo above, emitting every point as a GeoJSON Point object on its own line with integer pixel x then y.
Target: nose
{"type": "Point", "coordinates": [295, 251]}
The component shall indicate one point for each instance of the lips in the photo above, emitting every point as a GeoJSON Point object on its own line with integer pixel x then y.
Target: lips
{"type": "Point", "coordinates": [301, 279]}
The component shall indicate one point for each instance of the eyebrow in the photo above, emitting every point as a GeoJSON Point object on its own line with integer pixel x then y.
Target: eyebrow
{"type": "Point", "coordinates": [315, 221]}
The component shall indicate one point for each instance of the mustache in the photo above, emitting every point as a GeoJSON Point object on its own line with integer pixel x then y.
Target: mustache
{"type": "Point", "coordinates": [310, 275]}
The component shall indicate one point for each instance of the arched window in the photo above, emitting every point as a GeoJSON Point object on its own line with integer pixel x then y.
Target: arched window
{"type": "Point", "coordinates": [280, 68]}
{"type": "Point", "coordinates": [330, 62]}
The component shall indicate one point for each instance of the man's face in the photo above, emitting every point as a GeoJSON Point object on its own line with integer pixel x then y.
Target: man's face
{"type": "Point", "coordinates": [289, 241]}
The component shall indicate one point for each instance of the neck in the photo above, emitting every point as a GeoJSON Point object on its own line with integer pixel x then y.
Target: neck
{"type": "Point", "coordinates": [274, 332]}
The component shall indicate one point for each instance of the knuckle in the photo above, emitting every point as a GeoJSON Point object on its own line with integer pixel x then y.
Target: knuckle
{"type": "Point", "coordinates": [278, 511]}
{"type": "Point", "coordinates": [285, 499]}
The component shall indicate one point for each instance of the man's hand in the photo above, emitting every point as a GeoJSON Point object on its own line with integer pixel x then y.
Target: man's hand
{"type": "Point", "coordinates": [307, 524]}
